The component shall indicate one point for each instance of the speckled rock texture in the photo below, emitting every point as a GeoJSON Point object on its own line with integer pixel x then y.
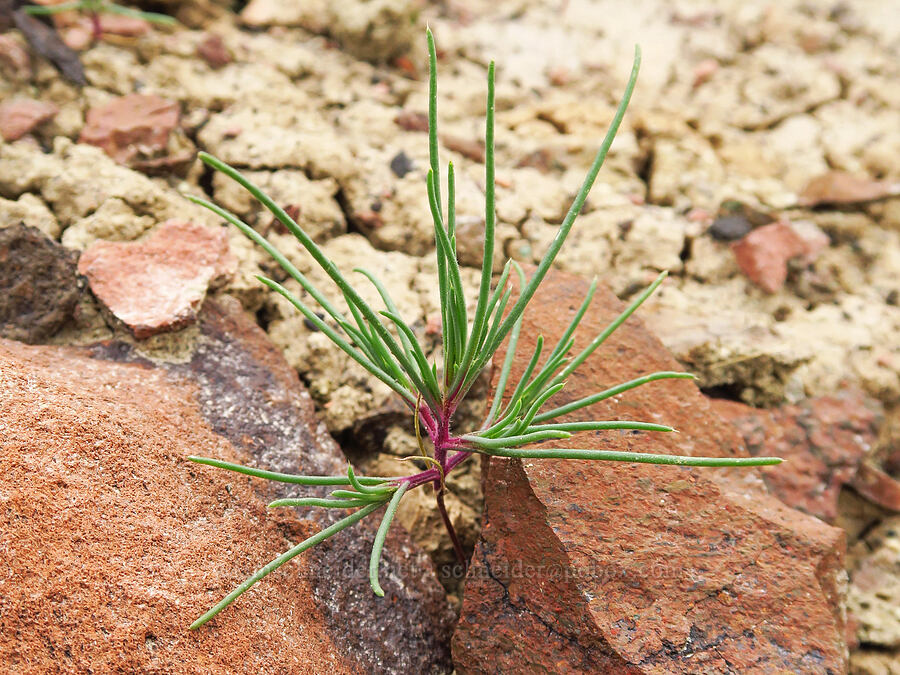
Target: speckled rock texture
{"type": "Point", "coordinates": [37, 284]}
{"type": "Point", "coordinates": [824, 440]}
{"type": "Point", "coordinates": [587, 567]}
{"type": "Point", "coordinates": [114, 543]}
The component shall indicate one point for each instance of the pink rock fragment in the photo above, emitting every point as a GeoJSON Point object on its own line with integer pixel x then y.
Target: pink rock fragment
{"type": "Point", "coordinates": [704, 71]}
{"type": "Point", "coordinates": [763, 254]}
{"type": "Point", "coordinates": [126, 26]}
{"type": "Point", "coordinates": [22, 115]}
{"type": "Point", "coordinates": [14, 57]}
{"type": "Point", "coordinates": [133, 125]}
{"type": "Point", "coordinates": [157, 284]}
{"type": "Point", "coordinates": [838, 187]}
{"type": "Point", "coordinates": [213, 50]}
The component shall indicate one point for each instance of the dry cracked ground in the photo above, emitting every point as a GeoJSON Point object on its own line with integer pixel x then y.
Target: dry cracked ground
{"type": "Point", "coordinates": [759, 164]}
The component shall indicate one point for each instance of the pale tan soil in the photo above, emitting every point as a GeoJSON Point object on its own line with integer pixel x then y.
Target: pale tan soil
{"type": "Point", "coordinates": [736, 101]}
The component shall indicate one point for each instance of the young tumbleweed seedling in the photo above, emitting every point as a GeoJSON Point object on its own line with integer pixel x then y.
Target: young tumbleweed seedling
{"type": "Point", "coordinates": [433, 394]}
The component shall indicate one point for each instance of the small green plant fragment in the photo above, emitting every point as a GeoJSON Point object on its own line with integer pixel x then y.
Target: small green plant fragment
{"type": "Point", "coordinates": [387, 347]}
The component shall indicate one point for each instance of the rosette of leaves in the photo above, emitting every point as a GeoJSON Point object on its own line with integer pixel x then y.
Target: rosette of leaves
{"type": "Point", "coordinates": [521, 414]}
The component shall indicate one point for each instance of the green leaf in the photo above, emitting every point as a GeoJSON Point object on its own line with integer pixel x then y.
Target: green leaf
{"type": "Point", "coordinates": [285, 477]}
{"type": "Point", "coordinates": [563, 232]}
{"type": "Point", "coordinates": [282, 559]}
{"type": "Point", "coordinates": [380, 536]}
{"type": "Point", "coordinates": [612, 391]}
{"type": "Point", "coordinates": [609, 330]}
{"type": "Point", "coordinates": [635, 457]}
{"type": "Point", "coordinates": [487, 261]}
{"type": "Point", "coordinates": [324, 503]}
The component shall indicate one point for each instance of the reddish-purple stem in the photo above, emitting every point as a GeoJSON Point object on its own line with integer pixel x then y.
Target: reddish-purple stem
{"type": "Point", "coordinates": [457, 546]}
{"type": "Point", "coordinates": [437, 424]}
{"type": "Point", "coordinates": [97, 28]}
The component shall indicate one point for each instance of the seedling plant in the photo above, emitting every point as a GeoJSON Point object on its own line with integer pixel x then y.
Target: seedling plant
{"type": "Point", "coordinates": [521, 414]}
{"type": "Point", "coordinates": [94, 8]}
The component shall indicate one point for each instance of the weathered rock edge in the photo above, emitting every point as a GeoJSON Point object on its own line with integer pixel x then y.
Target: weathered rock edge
{"type": "Point", "coordinates": [616, 568]}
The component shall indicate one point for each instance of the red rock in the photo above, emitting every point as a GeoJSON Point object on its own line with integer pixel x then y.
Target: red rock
{"type": "Point", "coordinates": [410, 120]}
{"type": "Point", "coordinates": [113, 543]}
{"type": "Point", "coordinates": [763, 254]}
{"type": "Point", "coordinates": [131, 127]}
{"type": "Point", "coordinates": [824, 439]}
{"type": "Point", "coordinates": [542, 159]}
{"type": "Point", "coordinates": [878, 486]}
{"type": "Point", "coordinates": [838, 187]}
{"type": "Point", "coordinates": [157, 284]}
{"type": "Point", "coordinates": [474, 150]}
{"type": "Point", "coordinates": [213, 50]}
{"type": "Point", "coordinates": [21, 115]}
{"type": "Point", "coordinates": [405, 65]}
{"type": "Point", "coordinates": [592, 567]}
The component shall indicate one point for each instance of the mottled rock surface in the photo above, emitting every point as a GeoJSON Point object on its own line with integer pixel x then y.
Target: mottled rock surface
{"type": "Point", "coordinates": [125, 124]}
{"type": "Point", "coordinates": [20, 116]}
{"type": "Point", "coordinates": [141, 541]}
{"type": "Point", "coordinates": [158, 284]}
{"type": "Point", "coordinates": [38, 289]}
{"type": "Point", "coordinates": [824, 440]}
{"type": "Point", "coordinates": [763, 254]}
{"type": "Point", "coordinates": [603, 568]}
{"type": "Point", "coordinates": [136, 130]}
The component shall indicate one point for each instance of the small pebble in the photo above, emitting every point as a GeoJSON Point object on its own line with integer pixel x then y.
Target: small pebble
{"type": "Point", "coordinates": [401, 164]}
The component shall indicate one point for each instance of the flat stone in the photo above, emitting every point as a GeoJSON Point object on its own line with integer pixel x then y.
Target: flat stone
{"type": "Point", "coordinates": [38, 285]}
{"type": "Point", "coordinates": [157, 284]}
{"type": "Point", "coordinates": [131, 127]}
{"type": "Point", "coordinates": [114, 543]}
{"type": "Point", "coordinates": [21, 116]}
{"type": "Point", "coordinates": [619, 568]}
{"type": "Point", "coordinates": [730, 227]}
{"type": "Point", "coordinates": [824, 439]}
{"type": "Point", "coordinates": [839, 187]}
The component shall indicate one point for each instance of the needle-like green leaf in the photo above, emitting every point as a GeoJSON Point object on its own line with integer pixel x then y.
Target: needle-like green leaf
{"type": "Point", "coordinates": [635, 457]}
{"type": "Point", "coordinates": [285, 477]}
{"type": "Point", "coordinates": [282, 559]}
{"type": "Point", "coordinates": [380, 536]}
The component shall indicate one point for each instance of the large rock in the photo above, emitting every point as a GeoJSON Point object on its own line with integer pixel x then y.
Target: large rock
{"type": "Point", "coordinates": [618, 568]}
{"type": "Point", "coordinates": [38, 289]}
{"type": "Point", "coordinates": [113, 543]}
